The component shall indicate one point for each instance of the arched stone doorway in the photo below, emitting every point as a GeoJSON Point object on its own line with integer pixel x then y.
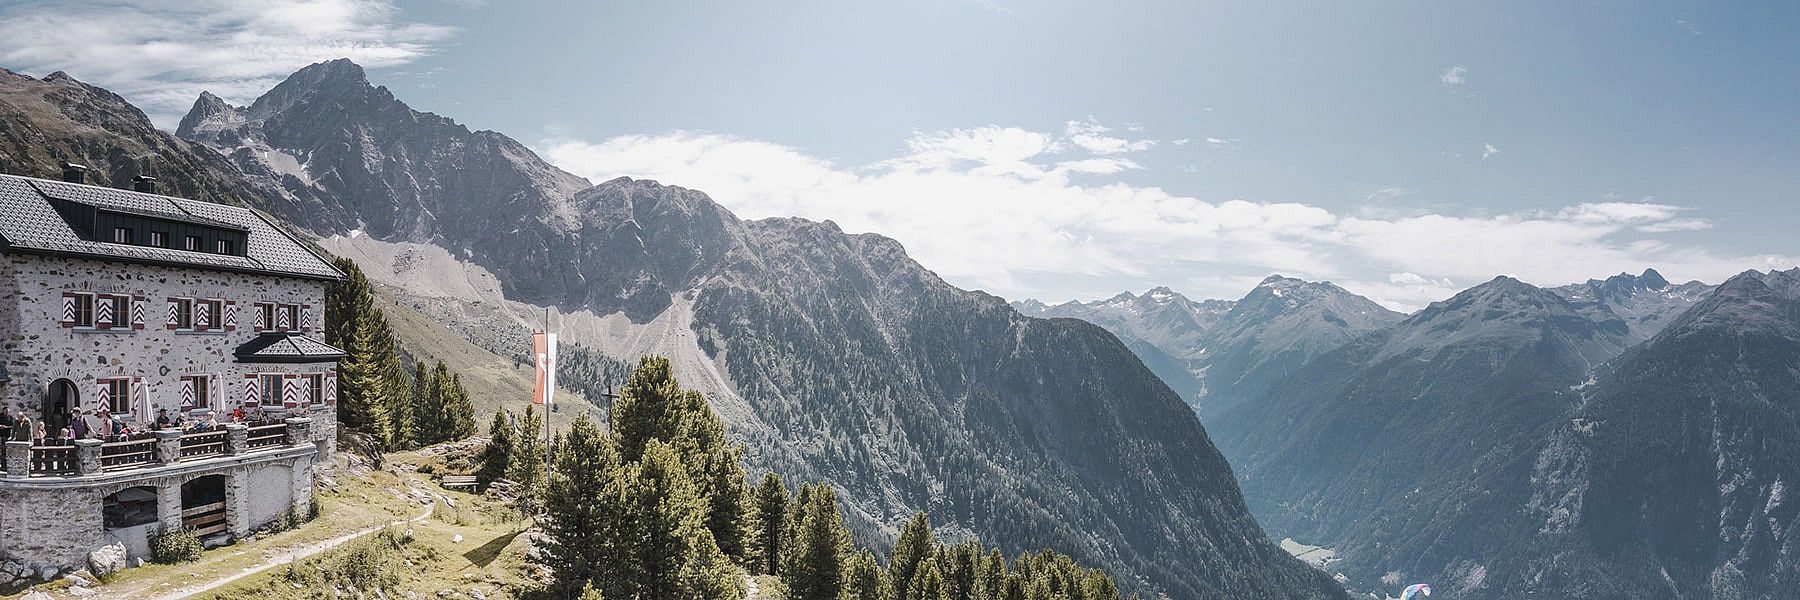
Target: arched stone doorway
{"type": "Point", "coordinates": [61, 400]}
{"type": "Point", "coordinates": [203, 505]}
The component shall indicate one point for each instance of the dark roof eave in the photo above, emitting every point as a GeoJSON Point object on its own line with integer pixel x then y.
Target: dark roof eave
{"type": "Point", "coordinates": [11, 248]}
{"type": "Point", "coordinates": [290, 359]}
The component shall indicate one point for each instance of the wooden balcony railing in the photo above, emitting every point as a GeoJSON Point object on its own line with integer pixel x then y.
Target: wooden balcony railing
{"type": "Point", "coordinates": [91, 457]}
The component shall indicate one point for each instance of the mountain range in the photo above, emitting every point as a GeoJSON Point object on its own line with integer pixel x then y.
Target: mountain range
{"type": "Point", "coordinates": [832, 356]}
{"type": "Point", "coordinates": [1618, 438]}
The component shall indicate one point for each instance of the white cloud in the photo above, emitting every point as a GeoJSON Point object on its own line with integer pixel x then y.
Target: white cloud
{"type": "Point", "coordinates": [1091, 136]}
{"type": "Point", "coordinates": [163, 53]}
{"type": "Point", "coordinates": [1454, 76]}
{"type": "Point", "coordinates": [997, 208]}
{"type": "Point", "coordinates": [1488, 150]}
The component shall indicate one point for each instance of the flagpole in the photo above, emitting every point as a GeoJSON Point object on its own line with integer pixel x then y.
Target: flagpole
{"type": "Point", "coordinates": [549, 391]}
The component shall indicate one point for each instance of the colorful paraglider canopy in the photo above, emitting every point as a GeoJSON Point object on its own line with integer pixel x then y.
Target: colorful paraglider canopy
{"type": "Point", "coordinates": [1417, 590]}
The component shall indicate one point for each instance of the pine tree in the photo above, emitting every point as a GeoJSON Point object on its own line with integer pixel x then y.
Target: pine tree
{"type": "Point", "coordinates": [990, 582]}
{"type": "Point", "coordinates": [817, 569]}
{"type": "Point", "coordinates": [928, 583]}
{"type": "Point", "coordinates": [460, 415]}
{"type": "Point", "coordinates": [346, 301]}
{"type": "Point", "coordinates": [362, 385]}
{"type": "Point", "coordinates": [496, 459]}
{"type": "Point", "coordinates": [648, 407]}
{"type": "Point", "coordinates": [527, 467]}
{"type": "Point", "coordinates": [589, 593]}
{"type": "Point", "coordinates": [771, 500]}
{"type": "Point", "coordinates": [958, 564]}
{"type": "Point", "coordinates": [865, 580]}
{"type": "Point", "coordinates": [395, 401]}
{"type": "Point", "coordinates": [915, 546]}
{"type": "Point", "coordinates": [419, 395]}
{"type": "Point", "coordinates": [584, 538]}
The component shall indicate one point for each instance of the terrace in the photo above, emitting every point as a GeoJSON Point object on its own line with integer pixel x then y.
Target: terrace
{"type": "Point", "coordinates": [148, 455]}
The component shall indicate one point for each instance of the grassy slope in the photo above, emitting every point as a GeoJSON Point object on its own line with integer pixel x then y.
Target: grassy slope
{"type": "Point", "coordinates": [493, 381]}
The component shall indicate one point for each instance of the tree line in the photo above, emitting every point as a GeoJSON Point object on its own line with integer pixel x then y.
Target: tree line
{"type": "Point", "coordinates": [659, 508]}
{"type": "Point", "coordinates": [377, 394]}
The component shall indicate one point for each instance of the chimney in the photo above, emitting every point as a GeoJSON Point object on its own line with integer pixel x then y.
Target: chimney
{"type": "Point", "coordinates": [144, 183]}
{"type": "Point", "coordinates": [74, 173]}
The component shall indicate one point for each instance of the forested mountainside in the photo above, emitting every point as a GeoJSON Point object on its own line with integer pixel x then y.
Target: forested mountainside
{"type": "Point", "coordinates": [861, 367]}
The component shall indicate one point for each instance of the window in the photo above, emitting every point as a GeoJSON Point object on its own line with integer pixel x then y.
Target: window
{"type": "Point", "coordinates": [191, 243]}
{"type": "Point", "coordinates": [268, 315]}
{"type": "Point", "coordinates": [118, 396]}
{"type": "Point", "coordinates": [121, 235]}
{"type": "Point", "coordinates": [84, 310]}
{"type": "Point", "coordinates": [199, 388]}
{"type": "Point", "coordinates": [215, 317]}
{"type": "Point", "coordinates": [315, 386]}
{"type": "Point", "coordinates": [184, 313]}
{"type": "Point", "coordinates": [224, 246]}
{"type": "Point", "coordinates": [159, 239]}
{"type": "Point", "coordinates": [292, 312]}
{"type": "Point", "coordinates": [121, 311]}
{"type": "Point", "coordinates": [270, 388]}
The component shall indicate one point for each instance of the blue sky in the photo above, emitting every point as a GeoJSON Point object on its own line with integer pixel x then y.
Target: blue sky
{"type": "Point", "coordinates": [1074, 149]}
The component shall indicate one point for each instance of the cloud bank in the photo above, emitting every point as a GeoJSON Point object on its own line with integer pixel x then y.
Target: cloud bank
{"type": "Point", "coordinates": [1023, 213]}
{"type": "Point", "coordinates": [162, 53]}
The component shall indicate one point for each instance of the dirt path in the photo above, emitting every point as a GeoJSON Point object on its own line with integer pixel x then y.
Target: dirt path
{"type": "Point", "coordinates": [751, 592]}
{"type": "Point", "coordinates": [283, 558]}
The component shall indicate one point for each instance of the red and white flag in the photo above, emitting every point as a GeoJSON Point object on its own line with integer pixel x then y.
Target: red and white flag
{"type": "Point", "coordinates": [543, 346]}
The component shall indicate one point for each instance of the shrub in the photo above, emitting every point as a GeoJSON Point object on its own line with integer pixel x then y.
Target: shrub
{"type": "Point", "coordinates": [175, 547]}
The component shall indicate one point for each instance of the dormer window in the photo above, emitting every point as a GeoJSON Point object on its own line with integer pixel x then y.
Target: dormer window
{"type": "Point", "coordinates": [223, 247]}
{"type": "Point", "coordinates": [159, 239]}
{"type": "Point", "coordinates": [121, 235]}
{"type": "Point", "coordinates": [191, 243]}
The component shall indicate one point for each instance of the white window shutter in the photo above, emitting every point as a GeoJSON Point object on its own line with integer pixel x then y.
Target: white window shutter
{"type": "Point", "coordinates": [230, 319]}
{"type": "Point", "coordinates": [103, 311]}
{"type": "Point", "coordinates": [68, 310]}
{"type": "Point", "coordinates": [250, 395]}
{"type": "Point", "coordinates": [172, 312]}
{"type": "Point", "coordinates": [137, 311]}
{"type": "Point", "coordinates": [331, 388]}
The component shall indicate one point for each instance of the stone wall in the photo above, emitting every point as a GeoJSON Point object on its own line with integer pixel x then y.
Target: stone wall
{"type": "Point", "coordinates": [56, 522]}
{"type": "Point", "coordinates": [39, 350]}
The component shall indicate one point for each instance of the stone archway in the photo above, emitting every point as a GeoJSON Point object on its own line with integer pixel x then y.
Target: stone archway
{"type": "Point", "coordinates": [203, 505]}
{"type": "Point", "coordinates": [61, 399]}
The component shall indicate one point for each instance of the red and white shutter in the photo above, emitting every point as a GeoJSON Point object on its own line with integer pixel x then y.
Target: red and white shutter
{"type": "Point", "coordinates": [137, 311]}
{"type": "Point", "coordinates": [103, 311]}
{"type": "Point", "coordinates": [251, 397]}
{"type": "Point", "coordinates": [331, 388]}
{"type": "Point", "coordinates": [259, 324]}
{"type": "Point", "coordinates": [230, 319]}
{"type": "Point", "coordinates": [203, 317]}
{"type": "Point", "coordinates": [173, 307]}
{"type": "Point", "coordinates": [187, 393]}
{"type": "Point", "coordinates": [68, 309]}
{"type": "Point", "coordinates": [290, 390]}
{"type": "Point", "coordinates": [104, 394]}
{"type": "Point", "coordinates": [306, 318]}
{"type": "Point", "coordinates": [281, 318]}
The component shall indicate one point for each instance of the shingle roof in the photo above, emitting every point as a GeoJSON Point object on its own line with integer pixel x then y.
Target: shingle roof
{"type": "Point", "coordinates": [28, 223]}
{"type": "Point", "coordinates": [274, 347]}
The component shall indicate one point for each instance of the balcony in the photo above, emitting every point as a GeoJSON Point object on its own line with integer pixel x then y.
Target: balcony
{"type": "Point", "coordinates": [164, 448]}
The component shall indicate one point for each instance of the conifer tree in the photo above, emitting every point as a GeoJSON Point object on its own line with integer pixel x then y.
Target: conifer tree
{"type": "Point", "coordinates": [990, 582]}
{"type": "Point", "coordinates": [496, 459]}
{"type": "Point", "coordinates": [362, 385]}
{"type": "Point", "coordinates": [928, 583]}
{"type": "Point", "coordinates": [771, 500]}
{"type": "Point", "coordinates": [584, 538]}
{"type": "Point", "coordinates": [419, 395]}
{"type": "Point", "coordinates": [914, 547]}
{"type": "Point", "coordinates": [527, 466]}
{"type": "Point", "coordinates": [395, 399]}
{"type": "Point", "coordinates": [958, 564]}
{"type": "Point", "coordinates": [865, 580]}
{"type": "Point", "coordinates": [647, 408]}
{"type": "Point", "coordinates": [817, 567]}
{"type": "Point", "coordinates": [589, 593]}
{"type": "Point", "coordinates": [461, 411]}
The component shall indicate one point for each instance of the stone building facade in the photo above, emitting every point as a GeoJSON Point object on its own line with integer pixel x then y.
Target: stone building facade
{"type": "Point", "coordinates": [117, 307]}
